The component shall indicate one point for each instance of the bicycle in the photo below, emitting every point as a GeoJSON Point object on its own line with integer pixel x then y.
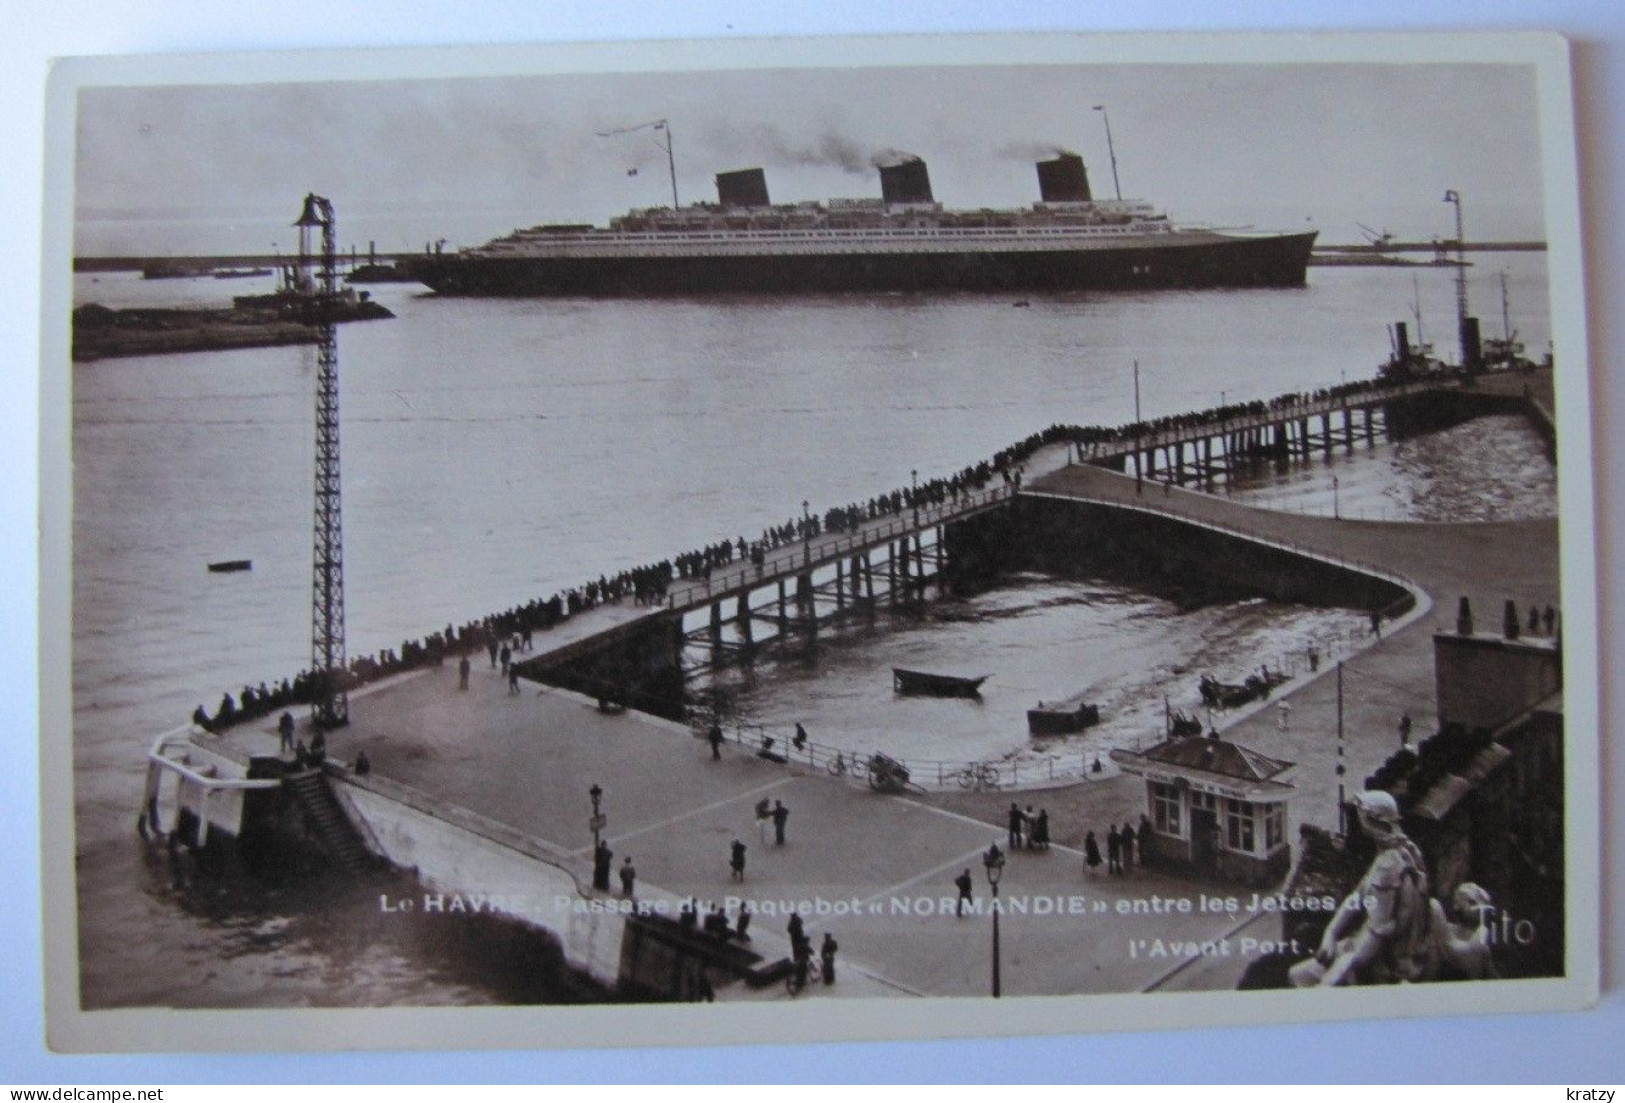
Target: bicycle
{"type": "Point", "coordinates": [815, 973]}
{"type": "Point", "coordinates": [979, 776]}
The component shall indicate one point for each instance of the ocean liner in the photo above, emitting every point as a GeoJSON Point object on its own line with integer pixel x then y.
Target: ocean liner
{"type": "Point", "coordinates": [903, 241]}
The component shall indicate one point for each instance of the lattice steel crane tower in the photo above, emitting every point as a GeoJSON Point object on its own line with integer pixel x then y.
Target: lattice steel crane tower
{"type": "Point", "coordinates": [315, 280]}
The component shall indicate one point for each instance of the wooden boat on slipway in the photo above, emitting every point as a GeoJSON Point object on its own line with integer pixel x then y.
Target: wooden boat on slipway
{"type": "Point", "coordinates": [922, 684]}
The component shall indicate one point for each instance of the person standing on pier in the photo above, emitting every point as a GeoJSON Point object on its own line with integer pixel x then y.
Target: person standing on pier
{"type": "Point", "coordinates": [781, 816]}
{"type": "Point", "coordinates": [736, 863]}
{"type": "Point", "coordinates": [1014, 824]}
{"type": "Point", "coordinates": [1091, 854]}
{"type": "Point", "coordinates": [602, 858]}
{"type": "Point", "coordinates": [963, 883]}
{"type": "Point", "coordinates": [1114, 851]}
{"type": "Point", "coordinates": [629, 878]}
{"type": "Point", "coordinates": [826, 953]}
{"type": "Point", "coordinates": [285, 727]}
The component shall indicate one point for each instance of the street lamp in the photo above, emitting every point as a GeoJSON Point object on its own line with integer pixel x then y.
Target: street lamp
{"type": "Point", "coordinates": [993, 860]}
{"type": "Point", "coordinates": [599, 820]}
{"type": "Point", "coordinates": [914, 492]}
{"type": "Point", "coordinates": [1337, 512]}
{"type": "Point", "coordinates": [806, 534]}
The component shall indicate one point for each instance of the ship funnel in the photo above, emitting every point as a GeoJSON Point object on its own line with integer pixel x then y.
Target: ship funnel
{"type": "Point", "coordinates": [905, 181]}
{"type": "Point", "coordinates": [1063, 180]}
{"type": "Point", "coordinates": [744, 188]}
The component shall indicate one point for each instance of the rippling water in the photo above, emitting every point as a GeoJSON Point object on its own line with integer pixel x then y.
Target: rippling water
{"type": "Point", "coordinates": [496, 451]}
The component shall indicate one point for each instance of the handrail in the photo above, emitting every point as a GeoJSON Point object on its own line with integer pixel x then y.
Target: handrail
{"type": "Point", "coordinates": [1127, 442]}
{"type": "Point", "coordinates": [788, 558]}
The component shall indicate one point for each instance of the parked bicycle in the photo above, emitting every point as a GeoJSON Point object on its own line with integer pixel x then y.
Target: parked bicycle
{"type": "Point", "coordinates": [979, 776]}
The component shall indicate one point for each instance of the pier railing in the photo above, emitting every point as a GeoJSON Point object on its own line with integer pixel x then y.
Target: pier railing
{"type": "Point", "coordinates": [1127, 442]}
{"type": "Point", "coordinates": [791, 558]}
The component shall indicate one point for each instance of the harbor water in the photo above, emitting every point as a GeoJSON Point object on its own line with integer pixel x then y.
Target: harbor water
{"type": "Point", "coordinates": [499, 450]}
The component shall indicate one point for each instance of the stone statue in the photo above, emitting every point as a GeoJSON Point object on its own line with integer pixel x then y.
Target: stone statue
{"type": "Point", "coordinates": [1463, 935]}
{"type": "Point", "coordinates": [1384, 932]}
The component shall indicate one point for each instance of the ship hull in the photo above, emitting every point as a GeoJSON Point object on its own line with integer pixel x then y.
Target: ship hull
{"type": "Point", "coordinates": [1212, 263]}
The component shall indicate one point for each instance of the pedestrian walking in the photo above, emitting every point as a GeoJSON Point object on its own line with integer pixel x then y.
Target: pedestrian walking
{"type": "Point", "coordinates": [1041, 830]}
{"type": "Point", "coordinates": [602, 859]}
{"type": "Point", "coordinates": [764, 813]}
{"type": "Point", "coordinates": [1114, 851]}
{"type": "Point", "coordinates": [1376, 623]}
{"type": "Point", "coordinates": [505, 654]}
{"type": "Point", "coordinates": [1405, 729]}
{"type": "Point", "coordinates": [1549, 617]}
{"type": "Point", "coordinates": [491, 646]}
{"type": "Point", "coordinates": [463, 667]}
{"type": "Point", "coordinates": [963, 883]}
{"type": "Point", "coordinates": [1029, 820]}
{"type": "Point", "coordinates": [1314, 659]}
{"type": "Point", "coordinates": [781, 816]}
{"type": "Point", "coordinates": [1015, 826]}
{"type": "Point", "coordinates": [799, 741]}
{"type": "Point", "coordinates": [714, 737]}
{"type": "Point", "coordinates": [1091, 854]}
{"type": "Point", "coordinates": [736, 863]}
{"type": "Point", "coordinates": [796, 930]}
{"type": "Point", "coordinates": [1145, 838]}
{"type": "Point", "coordinates": [1125, 839]}
{"type": "Point", "coordinates": [513, 680]}
{"type": "Point", "coordinates": [742, 924]}
{"type": "Point", "coordinates": [285, 729]}
{"type": "Point", "coordinates": [629, 878]}
{"type": "Point", "coordinates": [826, 954]}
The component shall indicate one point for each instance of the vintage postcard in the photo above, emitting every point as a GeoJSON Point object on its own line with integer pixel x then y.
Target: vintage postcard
{"type": "Point", "coordinates": [831, 539]}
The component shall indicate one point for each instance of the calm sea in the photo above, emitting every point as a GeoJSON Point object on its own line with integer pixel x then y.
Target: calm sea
{"type": "Point", "coordinates": [497, 450]}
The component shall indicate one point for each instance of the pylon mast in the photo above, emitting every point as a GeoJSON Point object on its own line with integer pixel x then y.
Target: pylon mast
{"type": "Point", "coordinates": [330, 706]}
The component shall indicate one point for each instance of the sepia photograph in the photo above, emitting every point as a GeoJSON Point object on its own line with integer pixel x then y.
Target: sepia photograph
{"type": "Point", "coordinates": [817, 540]}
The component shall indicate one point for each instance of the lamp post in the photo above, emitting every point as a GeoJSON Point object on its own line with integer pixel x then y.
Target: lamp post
{"type": "Point", "coordinates": [598, 821]}
{"type": "Point", "coordinates": [806, 534]}
{"type": "Point", "coordinates": [914, 492]}
{"type": "Point", "coordinates": [993, 861]}
{"type": "Point", "coordinates": [1337, 511]}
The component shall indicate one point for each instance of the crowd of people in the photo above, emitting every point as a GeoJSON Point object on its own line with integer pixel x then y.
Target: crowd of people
{"type": "Point", "coordinates": [644, 585]}
{"type": "Point", "coordinates": [1097, 438]}
{"type": "Point", "coordinates": [650, 583]}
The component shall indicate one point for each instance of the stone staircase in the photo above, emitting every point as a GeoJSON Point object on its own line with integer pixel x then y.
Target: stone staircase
{"type": "Point", "coordinates": [328, 821]}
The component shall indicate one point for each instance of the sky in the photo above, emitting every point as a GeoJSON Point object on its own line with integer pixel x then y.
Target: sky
{"type": "Point", "coordinates": [199, 169]}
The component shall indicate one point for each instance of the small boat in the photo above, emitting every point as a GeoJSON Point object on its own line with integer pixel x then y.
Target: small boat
{"type": "Point", "coordinates": [226, 566]}
{"type": "Point", "coordinates": [1229, 695]}
{"type": "Point", "coordinates": [935, 685]}
{"type": "Point", "coordinates": [1062, 717]}
{"type": "Point", "coordinates": [240, 273]}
